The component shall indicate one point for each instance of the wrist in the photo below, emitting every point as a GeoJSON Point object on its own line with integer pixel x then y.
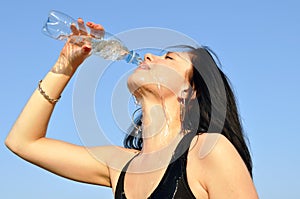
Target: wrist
{"type": "Point", "coordinates": [52, 86]}
{"type": "Point", "coordinates": [63, 66]}
{"type": "Point", "coordinates": [47, 97]}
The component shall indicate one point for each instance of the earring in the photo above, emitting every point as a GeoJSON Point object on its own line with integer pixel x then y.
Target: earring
{"type": "Point", "coordinates": [182, 107]}
{"type": "Point", "coordinates": [182, 110]}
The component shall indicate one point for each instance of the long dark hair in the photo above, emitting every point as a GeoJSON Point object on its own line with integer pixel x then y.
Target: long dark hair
{"type": "Point", "coordinates": [213, 110]}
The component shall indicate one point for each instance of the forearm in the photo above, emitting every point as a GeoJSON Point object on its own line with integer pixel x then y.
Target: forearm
{"type": "Point", "coordinates": [32, 123]}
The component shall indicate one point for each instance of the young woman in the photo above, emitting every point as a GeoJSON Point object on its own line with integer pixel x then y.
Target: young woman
{"type": "Point", "coordinates": [188, 142]}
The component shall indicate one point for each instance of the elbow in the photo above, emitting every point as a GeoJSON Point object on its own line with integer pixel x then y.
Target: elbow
{"type": "Point", "coordinates": [10, 144]}
{"type": "Point", "coordinates": [13, 144]}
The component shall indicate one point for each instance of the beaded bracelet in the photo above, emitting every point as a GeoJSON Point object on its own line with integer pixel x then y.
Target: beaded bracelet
{"type": "Point", "coordinates": [43, 93]}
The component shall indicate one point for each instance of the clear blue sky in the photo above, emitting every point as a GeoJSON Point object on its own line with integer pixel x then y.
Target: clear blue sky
{"type": "Point", "coordinates": [257, 42]}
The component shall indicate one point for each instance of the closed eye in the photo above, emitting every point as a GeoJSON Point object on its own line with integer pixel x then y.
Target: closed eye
{"type": "Point", "coordinates": [168, 57]}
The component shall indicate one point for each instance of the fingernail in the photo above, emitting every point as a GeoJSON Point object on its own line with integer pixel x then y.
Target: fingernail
{"type": "Point", "coordinates": [86, 49]}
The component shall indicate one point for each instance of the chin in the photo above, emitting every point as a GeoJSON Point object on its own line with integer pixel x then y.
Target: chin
{"type": "Point", "coordinates": [139, 79]}
{"type": "Point", "coordinates": [132, 84]}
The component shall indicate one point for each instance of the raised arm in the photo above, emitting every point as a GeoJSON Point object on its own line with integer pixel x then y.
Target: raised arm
{"type": "Point", "coordinates": [27, 136]}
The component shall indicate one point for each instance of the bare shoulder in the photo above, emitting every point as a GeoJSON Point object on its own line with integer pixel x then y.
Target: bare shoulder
{"type": "Point", "coordinates": [215, 149]}
{"type": "Point", "coordinates": [211, 146]}
{"type": "Point", "coordinates": [225, 171]}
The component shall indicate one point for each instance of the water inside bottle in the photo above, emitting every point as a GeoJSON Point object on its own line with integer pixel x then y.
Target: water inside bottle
{"type": "Point", "coordinates": [109, 49]}
{"type": "Point", "coordinates": [114, 50]}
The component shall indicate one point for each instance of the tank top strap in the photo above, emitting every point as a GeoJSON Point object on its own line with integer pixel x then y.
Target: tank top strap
{"type": "Point", "coordinates": [119, 193]}
{"type": "Point", "coordinates": [183, 146]}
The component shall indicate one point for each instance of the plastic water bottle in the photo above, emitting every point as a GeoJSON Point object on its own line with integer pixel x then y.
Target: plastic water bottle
{"type": "Point", "coordinates": [108, 47]}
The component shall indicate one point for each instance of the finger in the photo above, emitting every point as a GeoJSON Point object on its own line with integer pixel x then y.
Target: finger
{"type": "Point", "coordinates": [82, 28]}
{"type": "Point", "coordinates": [90, 24]}
{"type": "Point", "coordinates": [74, 29]}
{"type": "Point", "coordinates": [97, 30]}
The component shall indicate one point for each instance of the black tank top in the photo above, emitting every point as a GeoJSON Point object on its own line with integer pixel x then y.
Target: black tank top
{"type": "Point", "coordinates": [173, 184]}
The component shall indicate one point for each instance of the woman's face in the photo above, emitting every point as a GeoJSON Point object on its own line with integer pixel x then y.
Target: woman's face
{"type": "Point", "coordinates": [164, 75]}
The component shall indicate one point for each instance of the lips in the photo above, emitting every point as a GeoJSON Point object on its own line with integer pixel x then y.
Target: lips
{"type": "Point", "coordinates": [144, 66]}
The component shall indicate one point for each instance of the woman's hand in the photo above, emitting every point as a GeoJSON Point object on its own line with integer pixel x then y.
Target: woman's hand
{"type": "Point", "coordinates": [78, 47]}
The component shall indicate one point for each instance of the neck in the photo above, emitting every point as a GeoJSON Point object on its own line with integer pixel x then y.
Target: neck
{"type": "Point", "coordinates": [161, 124]}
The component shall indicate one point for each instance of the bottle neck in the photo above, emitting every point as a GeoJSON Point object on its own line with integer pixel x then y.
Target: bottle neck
{"type": "Point", "coordinates": [133, 58]}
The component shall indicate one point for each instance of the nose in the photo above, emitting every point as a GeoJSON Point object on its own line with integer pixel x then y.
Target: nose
{"type": "Point", "coordinates": [149, 57]}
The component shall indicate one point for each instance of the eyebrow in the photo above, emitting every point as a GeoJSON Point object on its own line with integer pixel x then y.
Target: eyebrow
{"type": "Point", "coordinates": [169, 52]}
